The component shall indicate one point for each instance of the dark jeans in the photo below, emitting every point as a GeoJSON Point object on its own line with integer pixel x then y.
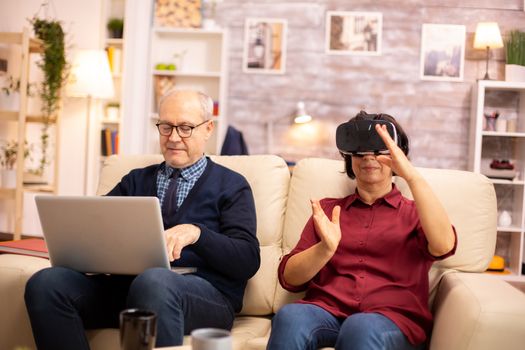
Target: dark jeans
{"type": "Point", "coordinates": [62, 303]}
{"type": "Point", "coordinates": [309, 327]}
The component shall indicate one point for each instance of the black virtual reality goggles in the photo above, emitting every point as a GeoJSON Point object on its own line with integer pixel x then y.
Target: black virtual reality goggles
{"type": "Point", "coordinates": [359, 137]}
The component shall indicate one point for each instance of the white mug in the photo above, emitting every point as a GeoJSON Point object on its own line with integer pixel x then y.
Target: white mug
{"type": "Point", "coordinates": [211, 339]}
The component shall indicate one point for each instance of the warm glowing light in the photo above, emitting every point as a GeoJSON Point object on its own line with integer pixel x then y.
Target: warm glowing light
{"type": "Point", "coordinates": [487, 35]}
{"type": "Point", "coordinates": [301, 117]}
{"type": "Point", "coordinates": [90, 75]}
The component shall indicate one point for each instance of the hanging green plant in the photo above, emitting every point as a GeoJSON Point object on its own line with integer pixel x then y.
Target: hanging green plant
{"type": "Point", "coordinates": [54, 66]}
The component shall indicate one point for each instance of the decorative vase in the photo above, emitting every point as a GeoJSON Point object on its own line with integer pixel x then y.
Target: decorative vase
{"type": "Point", "coordinates": [504, 219]}
{"type": "Point", "coordinates": [112, 113]}
{"type": "Point", "coordinates": [8, 178]}
{"type": "Point", "coordinates": [116, 33]}
{"type": "Point", "coordinates": [514, 72]}
{"type": "Point", "coordinates": [10, 102]}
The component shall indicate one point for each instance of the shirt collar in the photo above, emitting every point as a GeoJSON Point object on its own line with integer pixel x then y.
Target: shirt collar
{"type": "Point", "coordinates": [392, 198]}
{"type": "Point", "coordinates": [189, 172]}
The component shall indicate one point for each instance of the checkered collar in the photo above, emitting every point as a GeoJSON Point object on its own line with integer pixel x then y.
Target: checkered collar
{"type": "Point", "coordinates": [194, 170]}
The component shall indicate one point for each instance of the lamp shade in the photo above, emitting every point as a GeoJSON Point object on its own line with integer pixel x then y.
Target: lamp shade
{"type": "Point", "coordinates": [487, 35]}
{"type": "Point", "coordinates": [90, 75]}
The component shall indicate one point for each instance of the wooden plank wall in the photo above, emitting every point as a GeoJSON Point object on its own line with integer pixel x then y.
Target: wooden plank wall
{"type": "Point", "coordinates": [434, 114]}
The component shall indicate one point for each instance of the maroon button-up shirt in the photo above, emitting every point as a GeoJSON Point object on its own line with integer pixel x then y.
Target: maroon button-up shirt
{"type": "Point", "coordinates": [380, 266]}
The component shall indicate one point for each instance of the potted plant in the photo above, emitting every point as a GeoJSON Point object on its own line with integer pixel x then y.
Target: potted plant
{"type": "Point", "coordinates": [515, 56]}
{"type": "Point", "coordinates": [54, 66]}
{"type": "Point", "coordinates": [11, 98]}
{"type": "Point", "coordinates": [8, 157]}
{"type": "Point", "coordinates": [112, 111]}
{"type": "Point", "coordinates": [11, 91]}
{"type": "Point", "coordinates": [116, 27]}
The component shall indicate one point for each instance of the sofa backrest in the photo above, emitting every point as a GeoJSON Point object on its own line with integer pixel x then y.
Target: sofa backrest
{"type": "Point", "coordinates": [269, 179]}
{"type": "Point", "coordinates": [468, 198]}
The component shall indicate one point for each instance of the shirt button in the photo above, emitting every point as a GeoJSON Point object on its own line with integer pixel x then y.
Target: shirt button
{"type": "Point", "coordinates": [357, 298]}
{"type": "Point", "coordinates": [366, 225]}
{"type": "Point", "coordinates": [361, 243]}
{"type": "Point", "coordinates": [360, 260]}
{"type": "Point", "coordinates": [361, 276]}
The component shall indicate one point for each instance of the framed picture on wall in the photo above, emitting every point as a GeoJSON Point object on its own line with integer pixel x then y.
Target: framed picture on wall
{"type": "Point", "coordinates": [353, 33]}
{"type": "Point", "coordinates": [264, 45]}
{"type": "Point", "coordinates": [442, 52]}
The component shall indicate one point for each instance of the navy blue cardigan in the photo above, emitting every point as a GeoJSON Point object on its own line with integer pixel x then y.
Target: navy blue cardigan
{"type": "Point", "coordinates": [221, 203]}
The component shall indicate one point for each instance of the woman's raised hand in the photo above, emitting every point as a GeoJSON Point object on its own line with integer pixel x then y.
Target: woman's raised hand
{"type": "Point", "coordinates": [329, 231]}
{"type": "Point", "coordinates": [396, 160]}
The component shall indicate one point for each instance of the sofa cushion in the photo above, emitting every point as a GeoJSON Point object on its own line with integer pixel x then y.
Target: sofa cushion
{"type": "Point", "coordinates": [470, 201]}
{"type": "Point", "coordinates": [311, 178]}
{"type": "Point", "coordinates": [269, 178]}
{"type": "Point", "coordinates": [116, 166]}
{"type": "Point", "coordinates": [468, 198]}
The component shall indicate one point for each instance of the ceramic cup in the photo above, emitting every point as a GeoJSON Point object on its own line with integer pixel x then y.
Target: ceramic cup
{"type": "Point", "coordinates": [211, 339]}
{"type": "Point", "coordinates": [138, 329]}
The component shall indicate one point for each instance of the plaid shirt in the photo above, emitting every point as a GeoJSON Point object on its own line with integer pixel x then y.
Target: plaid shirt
{"type": "Point", "coordinates": [187, 178]}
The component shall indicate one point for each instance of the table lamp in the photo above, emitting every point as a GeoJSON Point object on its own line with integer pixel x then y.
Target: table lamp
{"type": "Point", "coordinates": [90, 77]}
{"type": "Point", "coordinates": [487, 37]}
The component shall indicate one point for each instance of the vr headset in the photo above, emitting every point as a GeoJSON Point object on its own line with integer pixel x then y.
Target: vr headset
{"type": "Point", "coordinates": [359, 137]}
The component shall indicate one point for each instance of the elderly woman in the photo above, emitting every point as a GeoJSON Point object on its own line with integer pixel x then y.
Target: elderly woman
{"type": "Point", "coordinates": [363, 260]}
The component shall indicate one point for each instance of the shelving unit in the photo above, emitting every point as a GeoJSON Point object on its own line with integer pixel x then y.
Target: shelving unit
{"type": "Point", "coordinates": [507, 142]}
{"type": "Point", "coordinates": [111, 120]}
{"type": "Point", "coordinates": [200, 59]}
{"type": "Point", "coordinates": [27, 46]}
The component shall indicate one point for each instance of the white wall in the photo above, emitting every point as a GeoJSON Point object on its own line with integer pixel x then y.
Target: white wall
{"type": "Point", "coordinates": [82, 22]}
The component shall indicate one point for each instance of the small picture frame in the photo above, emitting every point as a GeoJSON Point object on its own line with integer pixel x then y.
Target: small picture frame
{"type": "Point", "coordinates": [265, 45]}
{"type": "Point", "coordinates": [353, 33]}
{"type": "Point", "coordinates": [442, 52]}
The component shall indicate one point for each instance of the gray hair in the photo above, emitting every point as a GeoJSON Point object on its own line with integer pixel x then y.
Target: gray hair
{"type": "Point", "coordinates": [205, 101]}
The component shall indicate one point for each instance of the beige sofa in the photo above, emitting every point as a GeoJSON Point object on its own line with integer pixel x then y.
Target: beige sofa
{"type": "Point", "coordinates": [472, 310]}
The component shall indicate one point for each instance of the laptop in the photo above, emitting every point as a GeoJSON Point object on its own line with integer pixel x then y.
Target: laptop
{"type": "Point", "coordinates": [111, 235]}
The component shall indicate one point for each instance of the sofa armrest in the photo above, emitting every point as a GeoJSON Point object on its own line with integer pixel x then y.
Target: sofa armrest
{"type": "Point", "coordinates": [15, 270]}
{"type": "Point", "coordinates": [474, 311]}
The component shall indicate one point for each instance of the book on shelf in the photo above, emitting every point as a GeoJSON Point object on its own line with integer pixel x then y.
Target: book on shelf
{"type": "Point", "coordinates": [30, 246]}
{"type": "Point", "coordinates": [114, 142]}
{"type": "Point", "coordinates": [114, 58]}
{"type": "Point", "coordinates": [109, 142]}
{"type": "Point", "coordinates": [109, 146]}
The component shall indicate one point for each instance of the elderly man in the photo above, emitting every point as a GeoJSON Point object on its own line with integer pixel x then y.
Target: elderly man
{"type": "Point", "coordinates": [209, 222]}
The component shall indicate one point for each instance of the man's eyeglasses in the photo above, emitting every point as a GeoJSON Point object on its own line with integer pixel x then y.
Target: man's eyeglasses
{"type": "Point", "coordinates": [184, 131]}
